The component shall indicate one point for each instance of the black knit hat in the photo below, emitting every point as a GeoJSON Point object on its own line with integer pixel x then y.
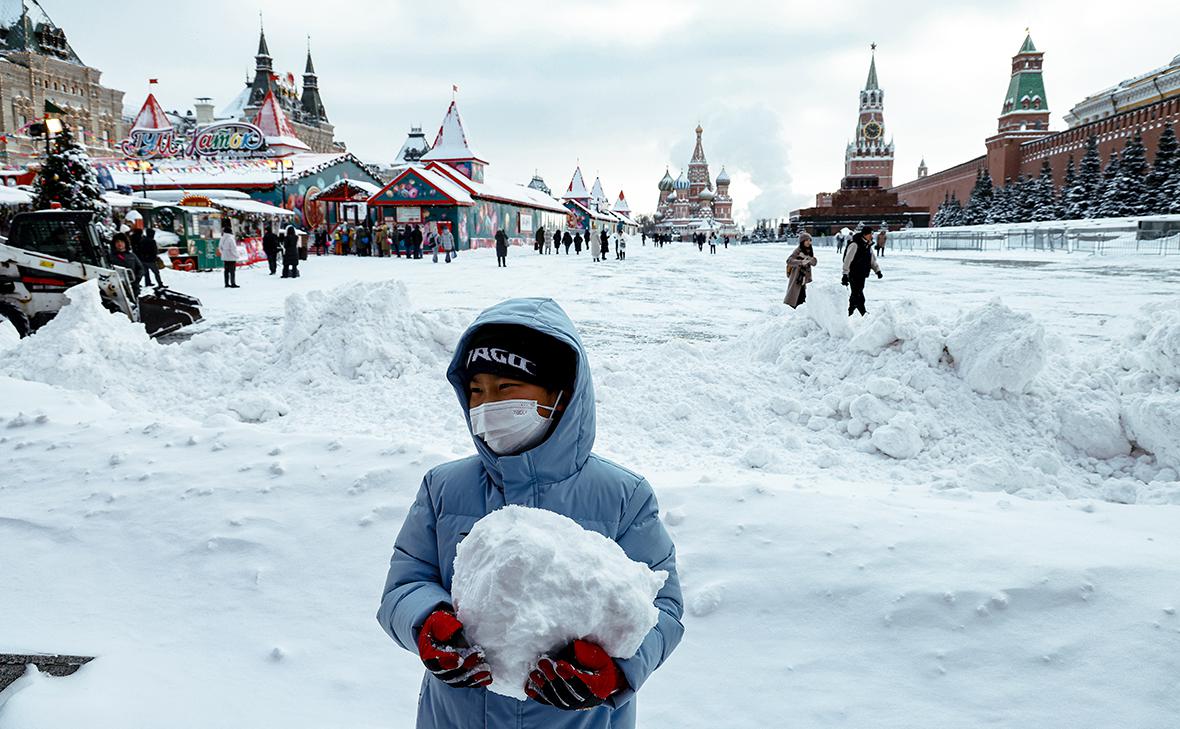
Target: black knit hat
{"type": "Point", "coordinates": [521, 353]}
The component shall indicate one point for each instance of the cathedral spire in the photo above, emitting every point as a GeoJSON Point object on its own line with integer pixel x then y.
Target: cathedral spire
{"type": "Point", "coordinates": [698, 154]}
{"type": "Point", "coordinates": [263, 51]}
{"type": "Point", "coordinates": [311, 103]}
{"type": "Point", "coordinates": [871, 83]}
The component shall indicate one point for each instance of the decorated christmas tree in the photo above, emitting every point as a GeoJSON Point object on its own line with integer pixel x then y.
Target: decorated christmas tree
{"type": "Point", "coordinates": [67, 178]}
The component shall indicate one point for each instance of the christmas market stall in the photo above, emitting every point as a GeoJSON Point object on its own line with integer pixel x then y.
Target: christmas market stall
{"type": "Point", "coordinates": [345, 201]}
{"type": "Point", "coordinates": [263, 160]}
{"type": "Point", "coordinates": [189, 227]}
{"type": "Point", "coordinates": [448, 189]}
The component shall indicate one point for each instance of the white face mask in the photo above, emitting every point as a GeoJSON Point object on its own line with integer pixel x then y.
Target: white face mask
{"type": "Point", "coordinates": [511, 426]}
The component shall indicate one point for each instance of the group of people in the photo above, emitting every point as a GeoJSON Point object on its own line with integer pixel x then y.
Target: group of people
{"type": "Point", "coordinates": [711, 239]}
{"type": "Point", "coordinates": [385, 240]}
{"type": "Point", "coordinates": [599, 249]}
{"type": "Point", "coordinates": [859, 260]}
{"type": "Point", "coordinates": [273, 245]}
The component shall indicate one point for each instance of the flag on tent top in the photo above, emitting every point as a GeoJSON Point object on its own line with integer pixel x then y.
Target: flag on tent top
{"type": "Point", "coordinates": [151, 116]}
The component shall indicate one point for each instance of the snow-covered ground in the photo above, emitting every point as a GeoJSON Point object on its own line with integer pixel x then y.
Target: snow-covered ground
{"type": "Point", "coordinates": [957, 512]}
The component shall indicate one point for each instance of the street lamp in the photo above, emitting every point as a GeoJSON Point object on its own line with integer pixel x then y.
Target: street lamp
{"type": "Point", "coordinates": [48, 128]}
{"type": "Point", "coordinates": [143, 167]}
{"type": "Point", "coordinates": [282, 165]}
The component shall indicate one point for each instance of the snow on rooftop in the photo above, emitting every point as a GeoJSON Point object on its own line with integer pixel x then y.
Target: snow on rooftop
{"type": "Point", "coordinates": [235, 108]}
{"type": "Point", "coordinates": [451, 142]}
{"type": "Point", "coordinates": [494, 189]}
{"type": "Point", "coordinates": [275, 126]}
{"type": "Point", "coordinates": [151, 115]}
{"type": "Point", "coordinates": [577, 188]}
{"type": "Point", "coordinates": [597, 191]}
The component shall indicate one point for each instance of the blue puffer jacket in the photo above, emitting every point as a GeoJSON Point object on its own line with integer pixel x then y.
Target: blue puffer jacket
{"type": "Point", "coordinates": [560, 475]}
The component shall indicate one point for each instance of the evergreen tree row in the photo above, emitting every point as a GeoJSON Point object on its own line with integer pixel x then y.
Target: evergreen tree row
{"type": "Point", "coordinates": [1126, 186]}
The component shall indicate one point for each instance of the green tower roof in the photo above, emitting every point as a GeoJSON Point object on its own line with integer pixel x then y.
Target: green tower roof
{"type": "Point", "coordinates": [871, 83]}
{"type": "Point", "coordinates": [1028, 46]}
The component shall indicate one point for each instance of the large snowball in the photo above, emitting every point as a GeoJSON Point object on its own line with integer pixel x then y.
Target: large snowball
{"type": "Point", "coordinates": [529, 581]}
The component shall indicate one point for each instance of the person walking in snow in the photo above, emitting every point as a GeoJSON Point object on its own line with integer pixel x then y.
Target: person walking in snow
{"type": "Point", "coordinates": [578, 243]}
{"type": "Point", "coordinates": [713, 243]}
{"type": "Point", "coordinates": [228, 248]}
{"type": "Point", "coordinates": [541, 238]}
{"type": "Point", "coordinates": [270, 246]}
{"type": "Point", "coordinates": [555, 243]}
{"type": "Point", "coordinates": [881, 234]}
{"type": "Point", "coordinates": [595, 252]}
{"type": "Point", "coordinates": [643, 239]}
{"type": "Point", "coordinates": [621, 247]}
{"type": "Point", "coordinates": [799, 265]}
{"type": "Point", "coordinates": [290, 253]}
{"type": "Point", "coordinates": [522, 377]}
{"type": "Point", "coordinates": [501, 249]}
{"type": "Point", "coordinates": [604, 243]}
{"type": "Point", "coordinates": [567, 240]}
{"type": "Point", "coordinates": [447, 242]}
{"type": "Point", "coordinates": [859, 259]}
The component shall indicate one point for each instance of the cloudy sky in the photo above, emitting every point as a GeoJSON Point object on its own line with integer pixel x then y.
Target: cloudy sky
{"type": "Point", "coordinates": [619, 85]}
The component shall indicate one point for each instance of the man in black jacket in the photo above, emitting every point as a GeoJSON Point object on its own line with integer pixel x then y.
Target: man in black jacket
{"type": "Point", "coordinates": [859, 259]}
{"type": "Point", "coordinates": [603, 244]}
{"type": "Point", "coordinates": [540, 238]}
{"type": "Point", "coordinates": [290, 253]}
{"type": "Point", "coordinates": [270, 246]}
{"type": "Point", "coordinates": [567, 240]}
{"type": "Point", "coordinates": [501, 249]}
{"type": "Point", "coordinates": [144, 247]}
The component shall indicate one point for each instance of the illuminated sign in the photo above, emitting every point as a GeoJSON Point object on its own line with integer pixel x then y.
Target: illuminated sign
{"type": "Point", "coordinates": [149, 143]}
{"type": "Point", "coordinates": [226, 138]}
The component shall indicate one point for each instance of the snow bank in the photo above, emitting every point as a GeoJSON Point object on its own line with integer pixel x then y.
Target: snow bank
{"type": "Point", "coordinates": [997, 350]}
{"type": "Point", "coordinates": [528, 581]}
{"type": "Point", "coordinates": [306, 364]}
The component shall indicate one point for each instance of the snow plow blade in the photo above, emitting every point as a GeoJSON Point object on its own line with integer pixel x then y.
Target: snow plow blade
{"type": "Point", "coordinates": [164, 311]}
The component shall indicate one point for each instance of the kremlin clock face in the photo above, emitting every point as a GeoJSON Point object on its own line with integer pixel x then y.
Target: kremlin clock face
{"type": "Point", "coordinates": [873, 130]}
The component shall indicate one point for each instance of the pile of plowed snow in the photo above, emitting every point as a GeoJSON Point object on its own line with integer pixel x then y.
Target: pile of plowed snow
{"type": "Point", "coordinates": [982, 401]}
{"type": "Point", "coordinates": [360, 354]}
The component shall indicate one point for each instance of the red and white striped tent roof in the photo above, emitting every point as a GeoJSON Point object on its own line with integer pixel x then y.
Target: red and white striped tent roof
{"type": "Point", "coordinates": [151, 116]}
{"type": "Point", "coordinates": [280, 135]}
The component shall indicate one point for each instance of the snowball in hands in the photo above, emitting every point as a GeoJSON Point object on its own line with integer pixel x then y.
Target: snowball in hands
{"type": "Point", "coordinates": [528, 581]}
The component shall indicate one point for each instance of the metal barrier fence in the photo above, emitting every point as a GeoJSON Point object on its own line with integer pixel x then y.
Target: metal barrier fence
{"type": "Point", "coordinates": [1111, 239]}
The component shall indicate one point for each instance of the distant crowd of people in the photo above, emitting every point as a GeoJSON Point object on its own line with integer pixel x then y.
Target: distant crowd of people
{"type": "Point", "coordinates": [385, 240]}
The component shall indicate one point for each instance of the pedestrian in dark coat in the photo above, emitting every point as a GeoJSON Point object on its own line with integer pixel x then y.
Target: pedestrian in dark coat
{"type": "Point", "coordinates": [541, 238]}
{"type": "Point", "coordinates": [556, 243]}
{"type": "Point", "coordinates": [567, 240]}
{"type": "Point", "coordinates": [291, 253]}
{"type": "Point", "coordinates": [416, 241]}
{"type": "Point", "coordinates": [270, 246]}
{"type": "Point", "coordinates": [501, 249]}
{"type": "Point", "coordinates": [859, 259]}
{"type": "Point", "coordinates": [148, 254]}
{"type": "Point", "coordinates": [799, 265]}
{"type": "Point", "coordinates": [577, 243]}
{"type": "Point", "coordinates": [122, 256]}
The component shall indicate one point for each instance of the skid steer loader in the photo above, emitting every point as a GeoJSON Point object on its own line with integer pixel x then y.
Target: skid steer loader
{"type": "Point", "coordinates": [49, 251]}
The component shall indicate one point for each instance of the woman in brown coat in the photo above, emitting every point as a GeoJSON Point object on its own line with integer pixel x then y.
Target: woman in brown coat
{"type": "Point", "coordinates": [799, 265]}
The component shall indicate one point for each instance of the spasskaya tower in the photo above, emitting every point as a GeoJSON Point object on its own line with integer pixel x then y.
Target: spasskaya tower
{"type": "Point", "coordinates": [868, 155]}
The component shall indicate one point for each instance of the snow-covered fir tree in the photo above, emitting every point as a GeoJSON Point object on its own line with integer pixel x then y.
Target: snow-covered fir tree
{"type": "Point", "coordinates": [954, 214]}
{"type": "Point", "coordinates": [1116, 200]}
{"type": "Point", "coordinates": [1068, 199]}
{"type": "Point", "coordinates": [1083, 193]}
{"type": "Point", "coordinates": [1163, 181]}
{"type": "Point", "coordinates": [980, 202]}
{"type": "Point", "coordinates": [939, 219]}
{"type": "Point", "coordinates": [1046, 204]}
{"type": "Point", "coordinates": [67, 177]}
{"type": "Point", "coordinates": [1024, 199]}
{"type": "Point", "coordinates": [1133, 164]}
{"type": "Point", "coordinates": [1003, 206]}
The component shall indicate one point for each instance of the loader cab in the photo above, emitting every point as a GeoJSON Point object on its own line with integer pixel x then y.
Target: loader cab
{"type": "Point", "coordinates": [68, 235]}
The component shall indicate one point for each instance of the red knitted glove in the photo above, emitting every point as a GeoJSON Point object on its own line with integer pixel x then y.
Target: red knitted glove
{"type": "Point", "coordinates": [580, 676]}
{"type": "Point", "coordinates": [445, 652]}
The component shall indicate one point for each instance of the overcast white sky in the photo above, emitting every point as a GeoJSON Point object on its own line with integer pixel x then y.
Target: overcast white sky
{"type": "Point", "coordinates": [621, 84]}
